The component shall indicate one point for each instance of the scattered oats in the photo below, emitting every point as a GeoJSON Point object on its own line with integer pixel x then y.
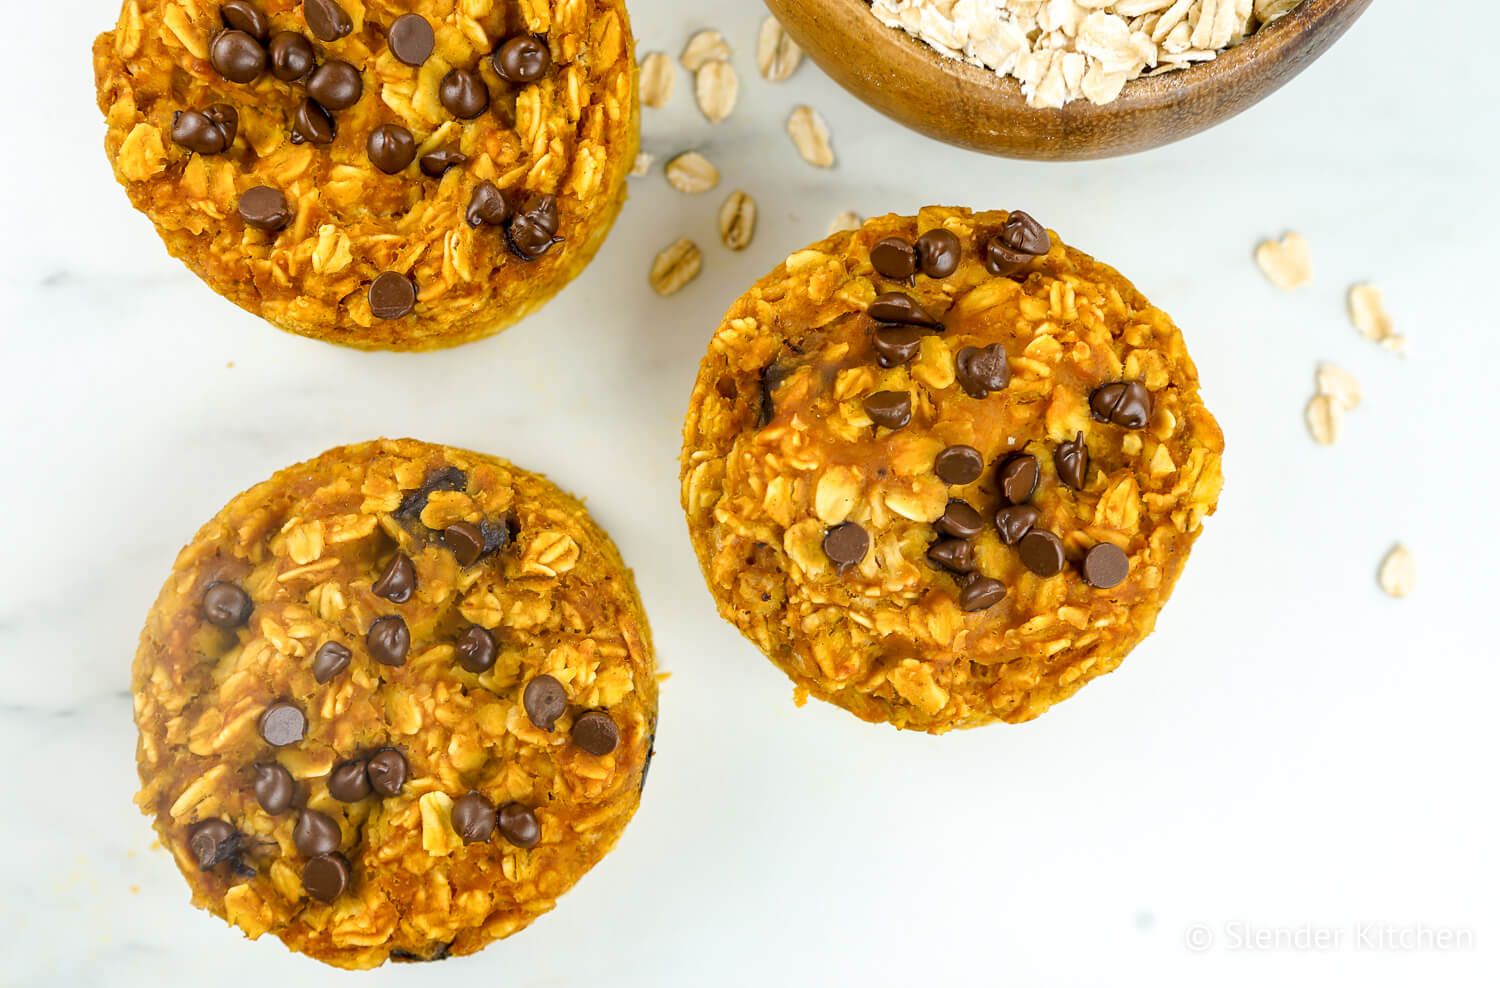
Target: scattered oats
{"type": "Point", "coordinates": [1325, 419]}
{"type": "Point", "coordinates": [658, 79]}
{"type": "Point", "coordinates": [1398, 572]}
{"type": "Point", "coordinates": [810, 134]}
{"type": "Point", "coordinates": [690, 173]}
{"type": "Point", "coordinates": [737, 220]}
{"type": "Point", "coordinates": [704, 47]}
{"type": "Point", "coordinates": [717, 86]}
{"type": "Point", "coordinates": [643, 162]}
{"type": "Point", "coordinates": [847, 220]}
{"type": "Point", "coordinates": [776, 54]}
{"type": "Point", "coordinates": [1367, 312]}
{"type": "Point", "coordinates": [675, 266]}
{"type": "Point", "coordinates": [1340, 385]}
{"type": "Point", "coordinates": [1286, 263]}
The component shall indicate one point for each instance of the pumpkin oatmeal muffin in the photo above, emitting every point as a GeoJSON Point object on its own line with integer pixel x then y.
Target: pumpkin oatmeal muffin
{"type": "Point", "coordinates": [944, 469]}
{"type": "Point", "coordinates": [385, 174]}
{"type": "Point", "coordinates": [393, 702]}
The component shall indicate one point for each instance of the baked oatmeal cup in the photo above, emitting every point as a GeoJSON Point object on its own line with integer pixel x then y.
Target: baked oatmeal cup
{"type": "Point", "coordinates": [392, 703]}
{"type": "Point", "coordinates": [384, 174]}
{"type": "Point", "coordinates": [944, 470]}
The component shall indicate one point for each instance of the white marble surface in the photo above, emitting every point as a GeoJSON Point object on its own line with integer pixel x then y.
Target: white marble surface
{"type": "Point", "coordinates": [1290, 753]}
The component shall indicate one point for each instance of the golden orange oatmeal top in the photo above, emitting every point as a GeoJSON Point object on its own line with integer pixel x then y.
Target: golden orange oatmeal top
{"type": "Point", "coordinates": [392, 703]}
{"type": "Point", "coordinates": [472, 154]}
{"type": "Point", "coordinates": [945, 469]}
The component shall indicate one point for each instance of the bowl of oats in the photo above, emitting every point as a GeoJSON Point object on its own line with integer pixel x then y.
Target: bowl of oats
{"type": "Point", "coordinates": [1064, 79]}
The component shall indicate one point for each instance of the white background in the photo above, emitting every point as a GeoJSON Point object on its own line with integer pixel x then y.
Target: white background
{"type": "Point", "coordinates": [1291, 751]}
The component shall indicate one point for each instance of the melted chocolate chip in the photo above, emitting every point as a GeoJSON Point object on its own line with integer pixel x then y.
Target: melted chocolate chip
{"type": "Point", "coordinates": [473, 818]}
{"type": "Point", "coordinates": [386, 771]}
{"type": "Point", "coordinates": [237, 56]}
{"type": "Point", "coordinates": [959, 521]}
{"type": "Point", "coordinates": [326, 877]}
{"type": "Point", "coordinates": [938, 252]}
{"type": "Point", "coordinates": [1124, 403]}
{"type": "Point", "coordinates": [388, 640]}
{"type": "Point", "coordinates": [981, 593]}
{"type": "Point", "coordinates": [208, 132]}
{"type": "Point", "coordinates": [487, 206]}
{"type": "Point", "coordinates": [891, 409]}
{"type": "Point", "coordinates": [329, 660]}
{"type": "Point", "coordinates": [212, 842]}
{"type": "Point", "coordinates": [283, 723]}
{"type": "Point", "coordinates": [958, 465]}
{"type": "Point", "coordinates": [533, 230]}
{"type": "Point", "coordinates": [410, 39]}
{"type": "Point", "coordinates": [518, 825]}
{"type": "Point", "coordinates": [1015, 521]}
{"type": "Point", "coordinates": [316, 833]}
{"type": "Point", "coordinates": [398, 580]}
{"type": "Point", "coordinates": [392, 295]}
{"type": "Point", "coordinates": [902, 310]}
{"type": "Point", "coordinates": [894, 258]}
{"type": "Point", "coordinates": [846, 545]}
{"type": "Point", "coordinates": [981, 370]}
{"type": "Point", "coordinates": [463, 94]}
{"type": "Point", "coordinates": [244, 16]}
{"type": "Point", "coordinates": [595, 732]}
{"type": "Point", "coordinates": [1041, 552]}
{"type": "Point", "coordinates": [521, 60]}
{"type": "Point", "coordinates": [391, 148]}
{"type": "Point", "coordinates": [896, 345]}
{"type": "Point", "coordinates": [443, 479]}
{"type": "Point", "coordinates": [1105, 566]}
{"type": "Point", "coordinates": [312, 124]}
{"type": "Point", "coordinates": [1021, 239]}
{"type": "Point", "coordinates": [1017, 476]}
{"type": "Point", "coordinates": [226, 605]}
{"type": "Point", "coordinates": [326, 19]}
{"type": "Point", "coordinates": [292, 56]}
{"type": "Point", "coordinates": [476, 649]}
{"type": "Point", "coordinates": [349, 782]}
{"type": "Point", "coordinates": [1072, 461]}
{"type": "Point", "coordinates": [499, 534]}
{"type": "Point", "coordinates": [466, 541]}
{"type": "Point", "coordinates": [274, 787]}
{"type": "Point", "coordinates": [544, 700]}
{"type": "Point", "coordinates": [435, 164]}
{"type": "Point", "coordinates": [771, 377]}
{"type": "Point", "coordinates": [955, 555]}
{"type": "Point", "coordinates": [335, 85]}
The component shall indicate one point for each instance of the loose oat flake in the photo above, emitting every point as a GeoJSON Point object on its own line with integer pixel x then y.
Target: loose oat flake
{"type": "Point", "coordinates": [1340, 385]}
{"type": "Point", "coordinates": [1325, 419]}
{"type": "Point", "coordinates": [717, 87]}
{"type": "Point", "coordinates": [704, 47]}
{"type": "Point", "coordinates": [675, 267]}
{"type": "Point", "coordinates": [690, 173]}
{"type": "Point", "coordinates": [847, 220]}
{"type": "Point", "coordinates": [643, 162]}
{"type": "Point", "coordinates": [1286, 263]}
{"type": "Point", "coordinates": [1367, 312]}
{"type": "Point", "coordinates": [1398, 572]}
{"type": "Point", "coordinates": [737, 220]}
{"type": "Point", "coordinates": [810, 135]}
{"type": "Point", "coordinates": [658, 79]}
{"type": "Point", "coordinates": [776, 54]}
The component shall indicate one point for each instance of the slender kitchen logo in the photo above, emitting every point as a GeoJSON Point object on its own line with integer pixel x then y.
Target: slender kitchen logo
{"type": "Point", "coordinates": [1371, 937]}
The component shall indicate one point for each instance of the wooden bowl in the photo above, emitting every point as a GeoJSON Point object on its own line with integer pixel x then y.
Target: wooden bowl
{"type": "Point", "coordinates": [973, 107]}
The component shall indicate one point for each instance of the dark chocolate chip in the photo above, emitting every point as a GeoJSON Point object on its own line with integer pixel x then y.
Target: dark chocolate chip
{"type": "Point", "coordinates": [316, 833]}
{"type": "Point", "coordinates": [772, 376]}
{"type": "Point", "coordinates": [443, 479]}
{"type": "Point", "coordinates": [349, 782]}
{"type": "Point", "coordinates": [894, 258]}
{"type": "Point", "coordinates": [902, 310]}
{"type": "Point", "coordinates": [243, 16]}
{"type": "Point", "coordinates": [335, 85]}
{"type": "Point", "coordinates": [517, 824]}
{"type": "Point", "coordinates": [938, 252]}
{"type": "Point", "coordinates": [292, 56]}
{"type": "Point", "coordinates": [329, 660]}
{"type": "Point", "coordinates": [1017, 476]}
{"type": "Point", "coordinates": [956, 555]}
{"type": "Point", "coordinates": [981, 593]}
{"type": "Point", "coordinates": [1015, 521]}
{"type": "Point", "coordinates": [283, 723]}
{"type": "Point", "coordinates": [273, 787]}
{"type": "Point", "coordinates": [1072, 461]}
{"type": "Point", "coordinates": [391, 148]}
{"type": "Point", "coordinates": [896, 345]}
{"type": "Point", "coordinates": [392, 295]}
{"type": "Point", "coordinates": [388, 640]}
{"type": "Point", "coordinates": [403, 956]}
{"type": "Point", "coordinates": [237, 56]}
{"type": "Point", "coordinates": [212, 842]}
{"type": "Point", "coordinates": [476, 649]}
{"type": "Point", "coordinates": [435, 164]}
{"type": "Point", "coordinates": [1020, 240]}
{"type": "Point", "coordinates": [959, 521]}
{"type": "Point", "coordinates": [473, 818]}
{"type": "Point", "coordinates": [544, 700]}
{"type": "Point", "coordinates": [533, 230]}
{"type": "Point", "coordinates": [265, 208]}
{"type": "Point", "coordinates": [326, 19]}
{"type": "Point", "coordinates": [499, 534]}
{"type": "Point", "coordinates": [487, 206]}
{"type": "Point", "coordinates": [1105, 566]}
{"type": "Point", "coordinates": [981, 370]}
{"type": "Point", "coordinates": [226, 605]}
{"type": "Point", "coordinates": [313, 124]}
{"type": "Point", "coordinates": [891, 409]}
{"type": "Point", "coordinates": [466, 541]}
{"type": "Point", "coordinates": [521, 59]}
{"type": "Point", "coordinates": [1124, 403]}
{"type": "Point", "coordinates": [410, 39]}
{"type": "Point", "coordinates": [208, 132]}
{"type": "Point", "coordinates": [398, 580]}
{"type": "Point", "coordinates": [326, 877]}
{"type": "Point", "coordinates": [595, 732]}
{"type": "Point", "coordinates": [387, 772]}
{"type": "Point", "coordinates": [958, 465]}
{"type": "Point", "coordinates": [846, 544]}
{"type": "Point", "coordinates": [463, 94]}
{"type": "Point", "coordinates": [1041, 552]}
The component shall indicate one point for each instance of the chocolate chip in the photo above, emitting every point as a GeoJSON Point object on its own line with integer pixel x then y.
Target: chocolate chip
{"type": "Point", "coordinates": [312, 123]}
{"type": "Point", "coordinates": [212, 842]}
{"type": "Point", "coordinates": [956, 555]}
{"type": "Point", "coordinates": [473, 818]}
{"type": "Point", "coordinates": [958, 465]}
{"type": "Point", "coordinates": [243, 16]}
{"type": "Point", "coordinates": [476, 649]}
{"type": "Point", "coordinates": [894, 258]}
{"type": "Point", "coordinates": [316, 833]}
{"type": "Point", "coordinates": [208, 132]}
{"type": "Point", "coordinates": [1041, 552]}
{"type": "Point", "coordinates": [397, 581]}
{"type": "Point", "coordinates": [487, 206]}
{"type": "Point", "coordinates": [387, 772]}
{"type": "Point", "coordinates": [226, 605]}
{"type": "Point", "coordinates": [273, 787]}
{"type": "Point", "coordinates": [265, 208]}
{"type": "Point", "coordinates": [326, 877]}
{"type": "Point", "coordinates": [846, 544]}
{"type": "Point", "coordinates": [1020, 240]}
{"type": "Point", "coordinates": [388, 640]}
{"type": "Point", "coordinates": [329, 660]}
{"type": "Point", "coordinates": [981, 593]}
{"type": "Point", "coordinates": [517, 824]}
{"type": "Point", "coordinates": [533, 231]}
{"type": "Point", "coordinates": [443, 479]}
{"type": "Point", "coordinates": [236, 56]}
{"type": "Point", "coordinates": [1017, 475]}
{"type": "Point", "coordinates": [392, 295]}
{"type": "Point", "coordinates": [521, 59]}
{"type": "Point", "coordinates": [896, 345]}
{"type": "Point", "coordinates": [466, 541]}
{"type": "Point", "coordinates": [891, 409]}
{"type": "Point", "coordinates": [435, 164]}
{"type": "Point", "coordinates": [1124, 403]}
{"type": "Point", "coordinates": [326, 19]}
{"type": "Point", "coordinates": [1105, 566]}
{"type": "Point", "coordinates": [772, 376]}
{"type": "Point", "coordinates": [292, 56]}
{"type": "Point", "coordinates": [981, 370]}
{"type": "Point", "coordinates": [410, 39]}
{"type": "Point", "coordinates": [544, 700]}
{"type": "Point", "coordinates": [348, 782]}
{"type": "Point", "coordinates": [282, 723]}
{"type": "Point", "coordinates": [902, 310]}
{"type": "Point", "coordinates": [1072, 461]}
{"type": "Point", "coordinates": [938, 252]}
{"type": "Point", "coordinates": [595, 732]}
{"type": "Point", "coordinates": [335, 85]}
{"type": "Point", "coordinates": [463, 94]}
{"type": "Point", "coordinates": [1015, 521]}
{"type": "Point", "coordinates": [391, 148]}
{"type": "Point", "coordinates": [959, 521]}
